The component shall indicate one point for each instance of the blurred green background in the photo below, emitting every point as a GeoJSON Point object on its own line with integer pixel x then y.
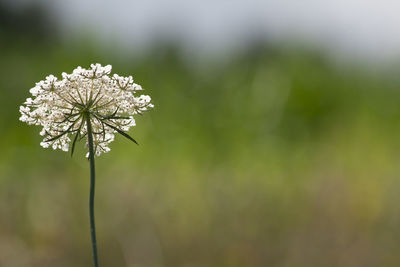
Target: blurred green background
{"type": "Point", "coordinates": [276, 155]}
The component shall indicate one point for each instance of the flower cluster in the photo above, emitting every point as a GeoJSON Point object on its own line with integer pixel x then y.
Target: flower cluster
{"type": "Point", "coordinates": [86, 98]}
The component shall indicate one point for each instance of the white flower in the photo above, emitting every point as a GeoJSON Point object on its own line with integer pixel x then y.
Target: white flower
{"type": "Point", "coordinates": [62, 107]}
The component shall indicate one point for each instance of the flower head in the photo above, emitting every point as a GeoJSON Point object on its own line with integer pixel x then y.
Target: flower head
{"type": "Point", "coordinates": [65, 108]}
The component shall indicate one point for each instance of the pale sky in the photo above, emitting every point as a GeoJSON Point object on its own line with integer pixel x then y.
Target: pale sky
{"type": "Point", "coordinates": [367, 27]}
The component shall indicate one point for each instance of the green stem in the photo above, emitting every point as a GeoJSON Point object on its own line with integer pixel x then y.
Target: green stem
{"type": "Point", "coordinates": [92, 184]}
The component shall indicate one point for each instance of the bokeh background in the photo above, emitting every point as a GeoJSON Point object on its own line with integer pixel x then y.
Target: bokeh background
{"type": "Point", "coordinates": [275, 138]}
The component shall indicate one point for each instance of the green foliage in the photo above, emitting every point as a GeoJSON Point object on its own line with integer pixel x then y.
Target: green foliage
{"type": "Point", "coordinates": [271, 157]}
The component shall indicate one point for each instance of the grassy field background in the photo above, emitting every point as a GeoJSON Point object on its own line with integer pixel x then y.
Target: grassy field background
{"type": "Point", "coordinates": [276, 155]}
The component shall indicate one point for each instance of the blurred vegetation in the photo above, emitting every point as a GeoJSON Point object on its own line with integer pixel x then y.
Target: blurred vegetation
{"type": "Point", "coordinates": [274, 156]}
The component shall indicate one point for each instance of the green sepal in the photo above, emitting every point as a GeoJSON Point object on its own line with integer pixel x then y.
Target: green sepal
{"type": "Point", "coordinates": [122, 133]}
{"type": "Point", "coordinates": [73, 143]}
